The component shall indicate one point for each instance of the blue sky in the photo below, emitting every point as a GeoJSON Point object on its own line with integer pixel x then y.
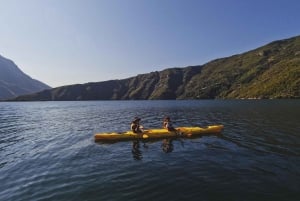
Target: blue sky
{"type": "Point", "coordinates": [62, 42]}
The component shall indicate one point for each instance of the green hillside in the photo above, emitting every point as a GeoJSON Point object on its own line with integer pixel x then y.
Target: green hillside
{"type": "Point", "coordinates": [271, 71]}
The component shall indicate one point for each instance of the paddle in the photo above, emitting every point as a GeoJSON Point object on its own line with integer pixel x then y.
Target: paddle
{"type": "Point", "coordinates": [145, 136]}
{"type": "Point", "coordinates": [173, 129]}
{"type": "Point", "coordinates": [177, 131]}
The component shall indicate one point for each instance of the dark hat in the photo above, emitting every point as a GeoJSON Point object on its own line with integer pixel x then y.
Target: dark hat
{"type": "Point", "coordinates": [136, 119]}
{"type": "Point", "coordinates": [167, 118]}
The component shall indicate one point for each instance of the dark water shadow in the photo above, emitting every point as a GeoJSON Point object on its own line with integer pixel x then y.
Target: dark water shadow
{"type": "Point", "coordinates": [167, 144]}
{"type": "Point", "coordinates": [137, 154]}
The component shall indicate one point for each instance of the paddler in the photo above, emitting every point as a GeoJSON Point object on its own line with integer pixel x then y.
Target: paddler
{"type": "Point", "coordinates": [135, 125]}
{"type": "Point", "coordinates": [167, 124]}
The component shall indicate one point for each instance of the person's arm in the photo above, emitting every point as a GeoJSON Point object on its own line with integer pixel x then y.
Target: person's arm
{"type": "Point", "coordinates": [133, 128]}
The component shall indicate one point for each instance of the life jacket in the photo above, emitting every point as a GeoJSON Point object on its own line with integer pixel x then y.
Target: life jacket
{"type": "Point", "coordinates": [168, 125]}
{"type": "Point", "coordinates": [135, 127]}
{"type": "Point", "coordinates": [165, 123]}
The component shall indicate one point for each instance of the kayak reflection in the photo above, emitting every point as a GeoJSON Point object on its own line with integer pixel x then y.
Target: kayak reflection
{"type": "Point", "coordinates": [167, 145]}
{"type": "Point", "coordinates": [136, 152]}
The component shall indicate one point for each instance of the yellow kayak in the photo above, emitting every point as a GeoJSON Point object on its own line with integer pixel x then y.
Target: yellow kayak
{"type": "Point", "coordinates": [160, 133]}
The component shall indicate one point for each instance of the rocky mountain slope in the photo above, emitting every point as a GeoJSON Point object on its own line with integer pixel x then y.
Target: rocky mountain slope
{"type": "Point", "coordinates": [13, 82]}
{"type": "Point", "coordinates": [271, 71]}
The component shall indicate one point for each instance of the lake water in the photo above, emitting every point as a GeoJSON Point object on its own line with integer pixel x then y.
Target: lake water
{"type": "Point", "coordinates": [47, 151]}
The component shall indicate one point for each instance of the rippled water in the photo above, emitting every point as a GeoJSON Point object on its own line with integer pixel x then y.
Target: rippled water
{"type": "Point", "coordinates": [47, 151]}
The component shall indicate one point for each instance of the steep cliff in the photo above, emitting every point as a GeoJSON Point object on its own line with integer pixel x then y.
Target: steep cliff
{"type": "Point", "coordinates": [13, 82]}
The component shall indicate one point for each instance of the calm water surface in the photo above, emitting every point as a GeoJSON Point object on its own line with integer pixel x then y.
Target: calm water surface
{"type": "Point", "coordinates": [47, 151]}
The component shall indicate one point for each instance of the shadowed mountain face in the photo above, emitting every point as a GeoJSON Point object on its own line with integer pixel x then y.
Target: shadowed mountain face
{"type": "Point", "coordinates": [271, 71]}
{"type": "Point", "coordinates": [13, 82]}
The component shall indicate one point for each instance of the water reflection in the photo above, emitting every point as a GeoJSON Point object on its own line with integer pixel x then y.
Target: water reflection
{"type": "Point", "coordinates": [136, 152]}
{"type": "Point", "coordinates": [167, 145]}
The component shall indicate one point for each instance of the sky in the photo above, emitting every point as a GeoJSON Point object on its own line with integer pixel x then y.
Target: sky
{"type": "Point", "coordinates": [63, 42]}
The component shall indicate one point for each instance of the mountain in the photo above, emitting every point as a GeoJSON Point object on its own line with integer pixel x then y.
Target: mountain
{"type": "Point", "coordinates": [13, 82]}
{"type": "Point", "coordinates": [270, 71]}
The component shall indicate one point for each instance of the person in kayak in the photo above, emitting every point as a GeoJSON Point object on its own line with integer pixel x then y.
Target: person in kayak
{"type": "Point", "coordinates": [167, 124]}
{"type": "Point", "coordinates": [135, 125]}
